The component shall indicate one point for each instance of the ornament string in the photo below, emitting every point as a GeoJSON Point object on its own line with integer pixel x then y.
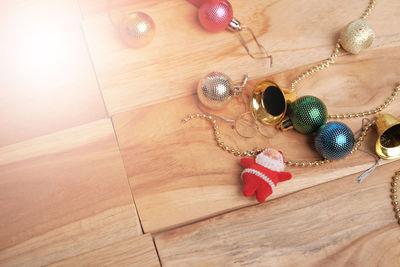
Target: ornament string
{"type": "Point", "coordinates": [260, 46]}
{"type": "Point", "coordinates": [378, 160]}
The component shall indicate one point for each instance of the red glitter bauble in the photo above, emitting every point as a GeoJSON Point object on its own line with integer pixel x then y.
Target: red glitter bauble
{"type": "Point", "coordinates": [215, 15]}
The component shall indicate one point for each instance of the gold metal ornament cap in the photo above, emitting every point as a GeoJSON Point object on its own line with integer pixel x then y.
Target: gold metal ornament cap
{"type": "Point", "coordinates": [269, 102]}
{"type": "Point", "coordinates": [388, 143]}
{"type": "Point", "coordinates": [137, 29]}
{"type": "Point", "coordinates": [357, 36]}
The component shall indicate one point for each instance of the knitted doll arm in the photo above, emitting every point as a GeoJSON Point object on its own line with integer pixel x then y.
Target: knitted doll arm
{"type": "Point", "coordinates": [284, 176]}
{"type": "Point", "coordinates": [247, 162]}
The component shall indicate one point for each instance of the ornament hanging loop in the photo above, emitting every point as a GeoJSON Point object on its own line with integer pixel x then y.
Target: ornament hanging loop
{"type": "Point", "coordinates": [238, 88]}
{"type": "Point", "coordinates": [236, 26]}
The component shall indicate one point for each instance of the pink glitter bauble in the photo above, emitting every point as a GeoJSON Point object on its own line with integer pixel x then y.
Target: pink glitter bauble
{"type": "Point", "coordinates": [215, 15]}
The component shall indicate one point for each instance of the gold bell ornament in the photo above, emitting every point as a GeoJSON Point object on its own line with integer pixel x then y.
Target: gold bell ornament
{"type": "Point", "coordinates": [388, 143]}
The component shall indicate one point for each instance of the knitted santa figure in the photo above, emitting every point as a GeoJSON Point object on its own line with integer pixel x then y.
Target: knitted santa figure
{"type": "Point", "coordinates": [262, 174]}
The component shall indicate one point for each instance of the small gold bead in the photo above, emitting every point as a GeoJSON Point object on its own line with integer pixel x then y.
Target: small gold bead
{"type": "Point", "coordinates": [316, 163]}
{"type": "Point", "coordinates": [303, 164]}
{"type": "Point", "coordinates": [214, 121]}
{"type": "Point", "coordinates": [296, 163]}
{"type": "Point", "coordinates": [204, 115]}
{"type": "Point", "coordinates": [216, 127]}
{"type": "Point", "coordinates": [396, 209]}
{"type": "Point", "coordinates": [226, 147]}
{"type": "Point", "coordinates": [221, 143]}
{"type": "Point", "coordinates": [394, 196]}
{"type": "Point", "coordinates": [361, 138]}
{"type": "Point", "coordinates": [245, 153]}
{"type": "Point", "coordinates": [394, 184]}
{"type": "Point", "coordinates": [394, 190]}
{"type": "Point", "coordinates": [218, 138]}
{"type": "Point", "coordinates": [396, 177]}
{"type": "Point", "coordinates": [395, 203]}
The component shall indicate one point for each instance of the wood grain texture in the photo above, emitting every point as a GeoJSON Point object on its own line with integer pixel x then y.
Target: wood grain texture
{"type": "Point", "coordinates": [182, 52]}
{"type": "Point", "coordinates": [178, 175]}
{"type": "Point", "coordinates": [62, 195]}
{"type": "Point", "coordinates": [47, 80]}
{"type": "Point", "coordinates": [135, 251]}
{"type": "Point", "coordinates": [340, 223]}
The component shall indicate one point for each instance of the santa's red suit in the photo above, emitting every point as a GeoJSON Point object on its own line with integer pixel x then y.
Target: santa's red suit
{"type": "Point", "coordinates": [262, 174]}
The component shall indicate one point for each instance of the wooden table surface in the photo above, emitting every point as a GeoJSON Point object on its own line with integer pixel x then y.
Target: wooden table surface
{"type": "Point", "coordinates": [97, 168]}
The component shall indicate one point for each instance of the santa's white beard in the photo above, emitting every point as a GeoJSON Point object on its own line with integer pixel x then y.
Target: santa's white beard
{"type": "Point", "coordinates": [270, 163]}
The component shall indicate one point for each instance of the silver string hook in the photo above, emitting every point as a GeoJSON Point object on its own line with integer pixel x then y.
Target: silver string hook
{"type": "Point", "coordinates": [236, 26]}
{"type": "Point", "coordinates": [238, 88]}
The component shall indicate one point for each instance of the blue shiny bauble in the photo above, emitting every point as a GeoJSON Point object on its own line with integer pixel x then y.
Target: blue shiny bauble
{"type": "Point", "coordinates": [334, 140]}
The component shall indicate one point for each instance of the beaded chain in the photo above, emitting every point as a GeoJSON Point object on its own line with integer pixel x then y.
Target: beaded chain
{"type": "Point", "coordinates": [395, 201]}
{"type": "Point", "coordinates": [256, 150]}
{"type": "Point", "coordinates": [327, 62]}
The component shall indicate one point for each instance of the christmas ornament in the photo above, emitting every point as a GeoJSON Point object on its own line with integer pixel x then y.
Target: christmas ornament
{"type": "Point", "coordinates": [334, 140]}
{"type": "Point", "coordinates": [269, 102]}
{"type": "Point", "coordinates": [307, 114]}
{"type": "Point", "coordinates": [217, 15]}
{"type": "Point", "coordinates": [262, 174]}
{"type": "Point", "coordinates": [216, 90]}
{"type": "Point", "coordinates": [357, 36]}
{"type": "Point", "coordinates": [137, 29]}
{"type": "Point", "coordinates": [388, 143]}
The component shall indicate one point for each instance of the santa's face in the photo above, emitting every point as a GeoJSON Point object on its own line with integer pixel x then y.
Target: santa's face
{"type": "Point", "coordinates": [271, 159]}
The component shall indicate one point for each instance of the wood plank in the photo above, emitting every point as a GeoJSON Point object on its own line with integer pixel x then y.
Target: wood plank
{"type": "Point", "coordinates": [47, 82]}
{"type": "Point", "coordinates": [135, 251]}
{"type": "Point", "coordinates": [63, 194]}
{"type": "Point", "coordinates": [178, 175]}
{"type": "Point", "coordinates": [182, 52]}
{"type": "Point", "coordinates": [340, 223]}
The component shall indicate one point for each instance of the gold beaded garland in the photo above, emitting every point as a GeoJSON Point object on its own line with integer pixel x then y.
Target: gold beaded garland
{"type": "Point", "coordinates": [394, 189]}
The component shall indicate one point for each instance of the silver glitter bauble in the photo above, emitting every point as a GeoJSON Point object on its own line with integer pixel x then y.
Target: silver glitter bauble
{"type": "Point", "coordinates": [215, 90]}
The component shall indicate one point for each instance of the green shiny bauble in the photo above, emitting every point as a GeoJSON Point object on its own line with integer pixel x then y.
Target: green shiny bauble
{"type": "Point", "coordinates": [307, 114]}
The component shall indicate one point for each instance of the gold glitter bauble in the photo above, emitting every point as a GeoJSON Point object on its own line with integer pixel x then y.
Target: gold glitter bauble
{"type": "Point", "coordinates": [137, 29]}
{"type": "Point", "coordinates": [357, 36]}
